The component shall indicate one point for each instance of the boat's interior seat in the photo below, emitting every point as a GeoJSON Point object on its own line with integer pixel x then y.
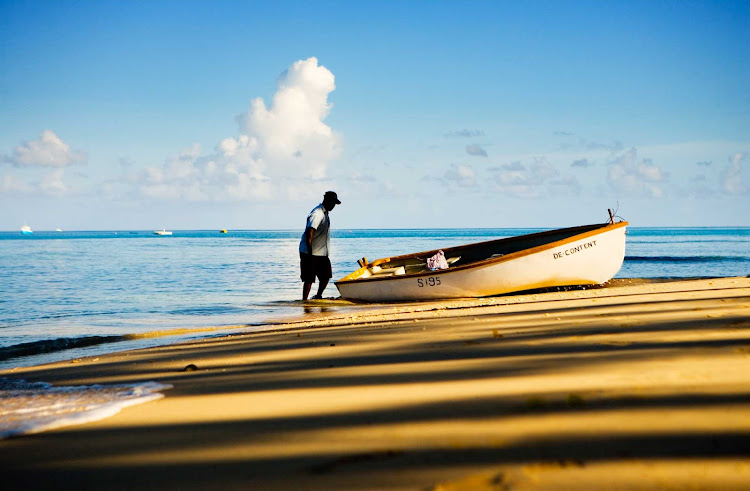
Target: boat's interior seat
{"type": "Point", "coordinates": [378, 271]}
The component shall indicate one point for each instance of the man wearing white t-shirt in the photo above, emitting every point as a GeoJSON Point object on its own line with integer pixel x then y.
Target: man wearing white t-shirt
{"type": "Point", "coordinates": [315, 246]}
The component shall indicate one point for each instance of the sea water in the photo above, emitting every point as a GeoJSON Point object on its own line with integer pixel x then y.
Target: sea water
{"type": "Point", "coordinates": [70, 294]}
{"type": "Point", "coordinates": [65, 295]}
{"type": "Point", "coordinates": [32, 407]}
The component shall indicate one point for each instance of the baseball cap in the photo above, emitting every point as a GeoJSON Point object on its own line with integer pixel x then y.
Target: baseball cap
{"type": "Point", "coordinates": [331, 196]}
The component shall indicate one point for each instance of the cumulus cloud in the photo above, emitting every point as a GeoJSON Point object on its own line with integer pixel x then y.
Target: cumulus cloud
{"type": "Point", "coordinates": [639, 178]}
{"type": "Point", "coordinates": [457, 175]}
{"type": "Point", "coordinates": [231, 172]}
{"type": "Point", "coordinates": [48, 151]}
{"type": "Point", "coordinates": [464, 133]}
{"type": "Point", "coordinates": [279, 151]}
{"type": "Point", "coordinates": [522, 181]}
{"type": "Point", "coordinates": [291, 134]}
{"type": "Point", "coordinates": [460, 175]}
{"type": "Point", "coordinates": [52, 183]}
{"type": "Point", "coordinates": [476, 150]}
{"type": "Point", "coordinates": [732, 177]}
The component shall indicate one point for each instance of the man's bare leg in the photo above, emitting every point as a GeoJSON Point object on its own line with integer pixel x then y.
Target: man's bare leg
{"type": "Point", "coordinates": [306, 290]}
{"type": "Point", "coordinates": [321, 287]}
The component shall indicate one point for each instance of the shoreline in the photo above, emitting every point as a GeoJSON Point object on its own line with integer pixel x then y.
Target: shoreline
{"type": "Point", "coordinates": [628, 384]}
{"type": "Point", "coordinates": [56, 350]}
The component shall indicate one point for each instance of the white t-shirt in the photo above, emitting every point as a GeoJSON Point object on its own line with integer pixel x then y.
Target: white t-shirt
{"type": "Point", "coordinates": [321, 241]}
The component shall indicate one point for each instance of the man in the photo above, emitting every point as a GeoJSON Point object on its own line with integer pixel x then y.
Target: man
{"type": "Point", "coordinates": [315, 246]}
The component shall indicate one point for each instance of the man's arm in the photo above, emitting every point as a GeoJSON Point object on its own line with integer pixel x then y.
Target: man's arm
{"type": "Point", "coordinates": [308, 239]}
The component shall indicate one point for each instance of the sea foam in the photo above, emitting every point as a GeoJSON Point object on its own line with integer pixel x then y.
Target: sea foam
{"type": "Point", "coordinates": [32, 407]}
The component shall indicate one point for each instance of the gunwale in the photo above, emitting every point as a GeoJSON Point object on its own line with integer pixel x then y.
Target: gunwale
{"type": "Point", "coordinates": [599, 228]}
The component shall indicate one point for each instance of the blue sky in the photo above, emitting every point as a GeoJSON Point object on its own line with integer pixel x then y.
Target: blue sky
{"type": "Point", "coordinates": [204, 115]}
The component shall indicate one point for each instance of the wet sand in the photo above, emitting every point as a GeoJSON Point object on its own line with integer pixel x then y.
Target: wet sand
{"type": "Point", "coordinates": [639, 385]}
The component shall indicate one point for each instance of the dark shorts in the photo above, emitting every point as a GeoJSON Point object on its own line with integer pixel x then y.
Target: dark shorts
{"type": "Point", "coordinates": [314, 266]}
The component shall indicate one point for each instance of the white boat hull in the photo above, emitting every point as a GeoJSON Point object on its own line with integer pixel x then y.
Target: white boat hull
{"type": "Point", "coordinates": [590, 258]}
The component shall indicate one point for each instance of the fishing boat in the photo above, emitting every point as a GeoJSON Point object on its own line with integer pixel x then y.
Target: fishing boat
{"type": "Point", "coordinates": [162, 232]}
{"type": "Point", "coordinates": [26, 230]}
{"type": "Point", "coordinates": [584, 255]}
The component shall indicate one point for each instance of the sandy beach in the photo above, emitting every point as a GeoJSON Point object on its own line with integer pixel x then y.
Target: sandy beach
{"type": "Point", "coordinates": [638, 385]}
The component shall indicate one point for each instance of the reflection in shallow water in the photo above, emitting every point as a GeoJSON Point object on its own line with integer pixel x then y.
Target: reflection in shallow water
{"type": "Point", "coordinates": [314, 309]}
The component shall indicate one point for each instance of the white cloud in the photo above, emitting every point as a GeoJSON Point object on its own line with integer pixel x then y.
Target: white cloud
{"type": "Point", "coordinates": [52, 183]}
{"type": "Point", "coordinates": [650, 172]}
{"type": "Point", "coordinates": [291, 134]}
{"type": "Point", "coordinates": [232, 172]}
{"type": "Point", "coordinates": [279, 151]}
{"type": "Point", "coordinates": [461, 175]}
{"type": "Point", "coordinates": [476, 150]}
{"type": "Point", "coordinates": [48, 151]}
{"type": "Point", "coordinates": [516, 179]}
{"type": "Point", "coordinates": [627, 175]}
{"type": "Point", "coordinates": [732, 178]}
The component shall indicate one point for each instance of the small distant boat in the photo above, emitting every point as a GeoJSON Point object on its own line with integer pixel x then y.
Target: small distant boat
{"type": "Point", "coordinates": [162, 232]}
{"type": "Point", "coordinates": [58, 230]}
{"type": "Point", "coordinates": [223, 231]}
{"type": "Point", "coordinates": [586, 255]}
{"type": "Point", "coordinates": [26, 230]}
